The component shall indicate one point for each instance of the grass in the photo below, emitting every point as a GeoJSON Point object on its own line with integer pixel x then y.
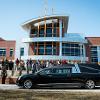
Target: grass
{"type": "Point", "coordinates": [42, 95]}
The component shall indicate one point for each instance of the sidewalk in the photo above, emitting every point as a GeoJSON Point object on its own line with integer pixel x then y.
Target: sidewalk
{"type": "Point", "coordinates": [11, 79]}
{"type": "Point", "coordinates": [8, 86]}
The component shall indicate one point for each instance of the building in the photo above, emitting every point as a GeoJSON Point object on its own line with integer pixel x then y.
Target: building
{"type": "Point", "coordinates": [48, 40]}
{"type": "Point", "coordinates": [7, 49]}
{"type": "Point", "coordinates": [93, 49]}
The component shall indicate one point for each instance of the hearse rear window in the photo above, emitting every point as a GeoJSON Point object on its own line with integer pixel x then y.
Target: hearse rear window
{"type": "Point", "coordinates": [62, 71]}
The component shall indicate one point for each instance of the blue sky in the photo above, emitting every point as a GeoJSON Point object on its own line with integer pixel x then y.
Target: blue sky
{"type": "Point", "coordinates": [84, 15]}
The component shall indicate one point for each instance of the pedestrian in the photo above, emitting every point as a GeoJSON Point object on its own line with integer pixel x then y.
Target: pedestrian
{"type": "Point", "coordinates": [47, 64]}
{"type": "Point", "coordinates": [17, 64]}
{"type": "Point", "coordinates": [22, 67]}
{"type": "Point", "coordinates": [2, 63]}
{"type": "Point", "coordinates": [30, 62]}
{"type": "Point", "coordinates": [33, 67]}
{"type": "Point", "coordinates": [27, 66]}
{"type": "Point", "coordinates": [3, 74]}
{"type": "Point", "coordinates": [6, 64]}
{"type": "Point", "coordinates": [11, 66]}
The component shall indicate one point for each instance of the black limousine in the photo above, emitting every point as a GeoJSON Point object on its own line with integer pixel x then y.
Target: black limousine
{"type": "Point", "coordinates": [68, 74]}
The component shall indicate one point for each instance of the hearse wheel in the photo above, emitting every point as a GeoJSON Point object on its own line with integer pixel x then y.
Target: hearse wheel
{"type": "Point", "coordinates": [90, 84]}
{"type": "Point", "coordinates": [28, 84]}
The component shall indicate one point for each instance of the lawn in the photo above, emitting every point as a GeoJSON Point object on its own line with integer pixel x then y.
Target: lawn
{"type": "Point", "coordinates": [42, 95]}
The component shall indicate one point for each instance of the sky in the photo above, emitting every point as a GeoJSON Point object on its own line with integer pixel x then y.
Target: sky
{"type": "Point", "coordinates": [84, 15]}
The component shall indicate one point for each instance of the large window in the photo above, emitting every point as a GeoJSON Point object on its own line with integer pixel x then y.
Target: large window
{"type": "Point", "coordinates": [49, 49]}
{"type": "Point", "coordinates": [49, 32]}
{"type": "Point", "coordinates": [45, 48]}
{"type": "Point", "coordinates": [34, 32]}
{"type": "Point", "coordinates": [94, 55]}
{"type": "Point", "coordinates": [2, 52]}
{"type": "Point", "coordinates": [54, 32]}
{"type": "Point", "coordinates": [41, 32]}
{"type": "Point", "coordinates": [11, 52]}
{"type": "Point", "coordinates": [47, 28]}
{"type": "Point", "coordinates": [41, 48]}
{"type": "Point", "coordinates": [71, 49]}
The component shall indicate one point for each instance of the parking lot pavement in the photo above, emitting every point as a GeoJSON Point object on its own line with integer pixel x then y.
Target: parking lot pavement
{"type": "Point", "coordinates": [8, 87]}
{"type": "Point", "coordinates": [15, 87]}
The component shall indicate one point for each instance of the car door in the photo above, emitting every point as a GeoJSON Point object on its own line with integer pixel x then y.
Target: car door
{"type": "Point", "coordinates": [61, 75]}
{"type": "Point", "coordinates": [45, 76]}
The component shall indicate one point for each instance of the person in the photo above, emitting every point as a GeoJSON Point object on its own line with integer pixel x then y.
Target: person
{"type": "Point", "coordinates": [6, 64]}
{"type": "Point", "coordinates": [2, 63]}
{"type": "Point", "coordinates": [27, 66]}
{"type": "Point", "coordinates": [17, 64]}
{"type": "Point", "coordinates": [30, 62]}
{"type": "Point", "coordinates": [47, 64]}
{"type": "Point", "coordinates": [22, 67]}
{"type": "Point", "coordinates": [33, 67]}
{"type": "Point", "coordinates": [11, 66]}
{"type": "Point", "coordinates": [3, 74]}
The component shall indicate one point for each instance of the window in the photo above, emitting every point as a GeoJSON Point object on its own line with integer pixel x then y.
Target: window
{"type": "Point", "coordinates": [21, 51]}
{"type": "Point", "coordinates": [34, 32]}
{"type": "Point", "coordinates": [49, 25]}
{"type": "Point", "coordinates": [94, 54]}
{"type": "Point", "coordinates": [11, 52]}
{"type": "Point", "coordinates": [2, 52]}
{"type": "Point", "coordinates": [71, 49]}
{"type": "Point", "coordinates": [56, 24]}
{"type": "Point", "coordinates": [46, 71]}
{"type": "Point", "coordinates": [41, 48]}
{"type": "Point", "coordinates": [48, 49]}
{"type": "Point", "coordinates": [62, 71]}
{"type": "Point", "coordinates": [41, 32]}
{"type": "Point", "coordinates": [49, 32]}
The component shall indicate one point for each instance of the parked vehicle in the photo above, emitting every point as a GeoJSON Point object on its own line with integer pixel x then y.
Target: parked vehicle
{"type": "Point", "coordinates": [64, 75]}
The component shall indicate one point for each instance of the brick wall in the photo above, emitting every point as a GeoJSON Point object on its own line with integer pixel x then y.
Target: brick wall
{"type": "Point", "coordinates": [8, 45]}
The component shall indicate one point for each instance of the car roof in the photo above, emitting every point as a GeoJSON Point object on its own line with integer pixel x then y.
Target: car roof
{"type": "Point", "coordinates": [60, 66]}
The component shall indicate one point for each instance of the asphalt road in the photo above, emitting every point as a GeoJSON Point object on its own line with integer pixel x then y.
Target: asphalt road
{"type": "Point", "coordinates": [15, 87]}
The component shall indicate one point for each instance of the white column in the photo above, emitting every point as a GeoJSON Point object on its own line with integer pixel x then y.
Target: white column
{"type": "Point", "coordinates": [60, 32]}
{"type": "Point", "coordinates": [81, 56]}
{"type": "Point", "coordinates": [98, 53]}
{"type": "Point", "coordinates": [84, 53]}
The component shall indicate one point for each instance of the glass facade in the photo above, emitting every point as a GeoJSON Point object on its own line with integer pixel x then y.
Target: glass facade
{"type": "Point", "coordinates": [41, 48]}
{"type": "Point", "coordinates": [48, 32]}
{"type": "Point", "coordinates": [45, 48]}
{"type": "Point", "coordinates": [2, 52]}
{"type": "Point", "coordinates": [34, 32]}
{"type": "Point", "coordinates": [71, 49]}
{"type": "Point", "coordinates": [45, 29]}
{"type": "Point", "coordinates": [94, 55]}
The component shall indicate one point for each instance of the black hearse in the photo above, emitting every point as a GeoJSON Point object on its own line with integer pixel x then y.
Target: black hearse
{"type": "Point", "coordinates": [68, 74]}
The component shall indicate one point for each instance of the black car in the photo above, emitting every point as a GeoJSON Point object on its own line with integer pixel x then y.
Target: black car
{"type": "Point", "coordinates": [65, 75]}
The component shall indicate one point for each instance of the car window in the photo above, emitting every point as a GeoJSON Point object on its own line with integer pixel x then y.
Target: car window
{"type": "Point", "coordinates": [68, 71]}
{"type": "Point", "coordinates": [62, 71]}
{"type": "Point", "coordinates": [46, 71]}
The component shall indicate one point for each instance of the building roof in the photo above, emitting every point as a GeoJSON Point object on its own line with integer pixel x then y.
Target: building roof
{"type": "Point", "coordinates": [93, 40]}
{"type": "Point", "coordinates": [1, 39]}
{"type": "Point", "coordinates": [27, 24]}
